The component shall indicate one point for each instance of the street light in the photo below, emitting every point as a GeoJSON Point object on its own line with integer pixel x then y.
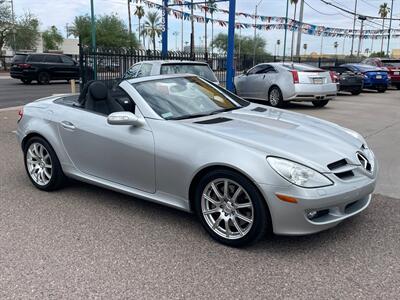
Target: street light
{"type": "Point", "coordinates": [255, 32]}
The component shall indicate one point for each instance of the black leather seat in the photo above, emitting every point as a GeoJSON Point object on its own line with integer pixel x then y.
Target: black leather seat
{"type": "Point", "coordinates": [98, 99]}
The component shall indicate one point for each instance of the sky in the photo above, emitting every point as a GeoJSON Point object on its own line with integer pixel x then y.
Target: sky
{"type": "Point", "coordinates": [62, 12]}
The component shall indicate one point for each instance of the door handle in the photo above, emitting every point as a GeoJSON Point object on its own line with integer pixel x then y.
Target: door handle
{"type": "Point", "coordinates": [68, 125]}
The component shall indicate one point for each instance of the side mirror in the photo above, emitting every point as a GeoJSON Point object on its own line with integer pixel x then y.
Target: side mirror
{"type": "Point", "coordinates": [124, 118]}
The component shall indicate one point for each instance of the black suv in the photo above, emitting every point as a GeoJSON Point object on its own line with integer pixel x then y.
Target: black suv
{"type": "Point", "coordinates": [43, 67]}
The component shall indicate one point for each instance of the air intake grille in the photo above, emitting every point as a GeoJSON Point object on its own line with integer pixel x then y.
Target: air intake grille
{"type": "Point", "coordinates": [214, 121]}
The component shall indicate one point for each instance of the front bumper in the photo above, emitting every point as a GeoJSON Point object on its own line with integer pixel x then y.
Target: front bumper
{"type": "Point", "coordinates": [337, 202]}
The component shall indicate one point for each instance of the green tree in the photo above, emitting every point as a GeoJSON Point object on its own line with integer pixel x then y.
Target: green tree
{"type": "Point", "coordinates": [52, 38]}
{"type": "Point", "coordinates": [111, 32]}
{"type": "Point", "coordinates": [152, 27]}
{"type": "Point", "coordinates": [384, 10]}
{"type": "Point", "coordinates": [212, 8]}
{"type": "Point", "coordinates": [5, 24]}
{"type": "Point", "coordinates": [139, 12]}
{"type": "Point", "coordinates": [26, 33]}
{"type": "Point", "coordinates": [246, 44]}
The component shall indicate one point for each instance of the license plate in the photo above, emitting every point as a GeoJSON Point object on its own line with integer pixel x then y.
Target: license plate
{"type": "Point", "coordinates": [396, 73]}
{"type": "Point", "coordinates": [378, 77]}
{"type": "Point", "coordinates": [318, 81]}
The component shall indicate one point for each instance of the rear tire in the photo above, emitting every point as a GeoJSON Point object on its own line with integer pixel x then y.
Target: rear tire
{"type": "Point", "coordinates": [358, 92]}
{"type": "Point", "coordinates": [398, 87]}
{"type": "Point", "coordinates": [42, 165]}
{"type": "Point", "coordinates": [275, 98]}
{"type": "Point", "coordinates": [320, 103]}
{"type": "Point", "coordinates": [238, 215]}
{"type": "Point", "coordinates": [43, 78]}
{"type": "Point", "coordinates": [381, 90]}
{"type": "Point", "coordinates": [26, 81]}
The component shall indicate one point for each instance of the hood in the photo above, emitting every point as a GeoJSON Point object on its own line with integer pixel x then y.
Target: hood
{"type": "Point", "coordinates": [277, 132]}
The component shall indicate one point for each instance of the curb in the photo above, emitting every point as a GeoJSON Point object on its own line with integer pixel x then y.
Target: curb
{"type": "Point", "coordinates": [10, 108]}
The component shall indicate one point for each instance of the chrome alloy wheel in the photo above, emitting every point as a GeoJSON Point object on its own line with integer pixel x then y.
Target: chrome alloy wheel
{"type": "Point", "coordinates": [227, 208]}
{"type": "Point", "coordinates": [274, 97]}
{"type": "Point", "coordinates": [38, 162]}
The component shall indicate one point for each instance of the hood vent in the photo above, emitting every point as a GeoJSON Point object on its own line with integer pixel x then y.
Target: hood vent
{"type": "Point", "coordinates": [214, 121]}
{"type": "Point", "coordinates": [259, 109]}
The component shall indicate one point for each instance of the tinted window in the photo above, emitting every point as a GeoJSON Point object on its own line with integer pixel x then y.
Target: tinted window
{"type": "Point", "coordinates": [19, 58]}
{"type": "Point", "coordinates": [256, 70]}
{"type": "Point", "coordinates": [35, 58]}
{"type": "Point", "coordinates": [145, 70]}
{"type": "Point", "coordinates": [52, 59]}
{"type": "Point", "coordinates": [201, 70]}
{"type": "Point", "coordinates": [67, 60]}
{"type": "Point", "coordinates": [132, 71]}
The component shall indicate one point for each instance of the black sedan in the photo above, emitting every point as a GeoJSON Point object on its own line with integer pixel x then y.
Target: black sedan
{"type": "Point", "coordinates": [347, 80]}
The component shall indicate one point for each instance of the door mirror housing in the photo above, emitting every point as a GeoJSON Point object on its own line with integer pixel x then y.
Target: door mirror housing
{"type": "Point", "coordinates": [124, 118]}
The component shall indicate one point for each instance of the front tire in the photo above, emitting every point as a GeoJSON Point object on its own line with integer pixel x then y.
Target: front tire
{"type": "Point", "coordinates": [355, 93]}
{"type": "Point", "coordinates": [26, 81]}
{"type": "Point", "coordinates": [275, 98]}
{"type": "Point", "coordinates": [43, 78]}
{"type": "Point", "coordinates": [42, 165]}
{"type": "Point", "coordinates": [320, 103]}
{"type": "Point", "coordinates": [381, 90]}
{"type": "Point", "coordinates": [231, 209]}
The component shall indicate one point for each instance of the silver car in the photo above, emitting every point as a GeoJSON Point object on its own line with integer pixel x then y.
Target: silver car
{"type": "Point", "coordinates": [279, 83]}
{"type": "Point", "coordinates": [178, 140]}
{"type": "Point", "coordinates": [160, 67]}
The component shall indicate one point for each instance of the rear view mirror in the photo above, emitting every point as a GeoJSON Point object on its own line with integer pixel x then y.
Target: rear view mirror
{"type": "Point", "coordinates": [124, 118]}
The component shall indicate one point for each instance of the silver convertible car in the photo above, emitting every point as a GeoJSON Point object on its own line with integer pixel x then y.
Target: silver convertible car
{"type": "Point", "coordinates": [280, 83]}
{"type": "Point", "coordinates": [181, 141]}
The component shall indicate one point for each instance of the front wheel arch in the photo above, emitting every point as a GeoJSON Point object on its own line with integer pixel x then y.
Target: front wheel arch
{"type": "Point", "coordinates": [200, 174]}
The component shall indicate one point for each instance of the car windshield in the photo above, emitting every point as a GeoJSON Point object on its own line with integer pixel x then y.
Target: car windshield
{"type": "Point", "coordinates": [201, 70]}
{"type": "Point", "coordinates": [395, 63]}
{"type": "Point", "coordinates": [184, 97]}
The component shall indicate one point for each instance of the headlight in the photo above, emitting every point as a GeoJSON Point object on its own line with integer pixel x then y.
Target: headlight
{"type": "Point", "coordinates": [298, 174]}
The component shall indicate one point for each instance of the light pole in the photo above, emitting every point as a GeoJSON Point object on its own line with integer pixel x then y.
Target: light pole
{"type": "Point", "coordinates": [255, 32]}
{"type": "Point", "coordinates": [362, 19]}
{"type": "Point", "coordinates": [335, 45]}
{"type": "Point", "coordinates": [175, 34]}
{"type": "Point", "coordinates": [300, 28]}
{"type": "Point", "coordinates": [286, 25]}
{"type": "Point", "coordinates": [390, 29]}
{"type": "Point", "coordinates": [354, 28]}
{"type": "Point", "coordinates": [93, 29]}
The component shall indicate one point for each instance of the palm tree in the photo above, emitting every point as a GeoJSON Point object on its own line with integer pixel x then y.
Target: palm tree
{"type": "Point", "coordinates": [139, 12]}
{"type": "Point", "coordinates": [152, 27]}
{"type": "Point", "coordinates": [212, 7]}
{"type": "Point", "coordinates": [384, 10]}
{"type": "Point", "coordinates": [294, 18]}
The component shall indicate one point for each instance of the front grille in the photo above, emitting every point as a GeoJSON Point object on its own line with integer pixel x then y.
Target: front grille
{"type": "Point", "coordinates": [341, 169]}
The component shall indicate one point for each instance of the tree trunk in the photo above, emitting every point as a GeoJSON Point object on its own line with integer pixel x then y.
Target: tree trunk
{"type": "Point", "coordinates": [139, 34]}
{"type": "Point", "coordinates": [154, 44]}
{"type": "Point", "coordinates": [383, 28]}
{"type": "Point", "coordinates": [212, 34]}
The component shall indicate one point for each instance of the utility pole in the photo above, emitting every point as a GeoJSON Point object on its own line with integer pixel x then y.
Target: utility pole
{"type": "Point", "coordinates": [286, 25]}
{"type": "Point", "coordinates": [192, 33]}
{"type": "Point", "coordinates": [129, 18]}
{"type": "Point", "coordinates": [182, 30]}
{"type": "Point", "coordinates": [205, 33]}
{"type": "Point", "coordinates": [390, 29]}
{"type": "Point", "coordinates": [322, 43]}
{"type": "Point", "coordinates": [13, 30]}
{"type": "Point", "coordinates": [299, 32]}
{"type": "Point", "coordinates": [362, 19]}
{"type": "Point", "coordinates": [354, 27]}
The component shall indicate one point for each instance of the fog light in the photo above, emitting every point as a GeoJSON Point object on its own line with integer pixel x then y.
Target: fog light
{"type": "Point", "coordinates": [311, 214]}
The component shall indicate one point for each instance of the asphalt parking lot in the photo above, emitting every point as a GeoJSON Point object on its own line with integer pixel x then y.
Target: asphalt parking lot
{"type": "Point", "coordinates": [87, 242]}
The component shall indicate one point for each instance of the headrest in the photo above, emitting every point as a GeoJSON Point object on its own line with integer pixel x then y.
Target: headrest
{"type": "Point", "coordinates": [98, 90]}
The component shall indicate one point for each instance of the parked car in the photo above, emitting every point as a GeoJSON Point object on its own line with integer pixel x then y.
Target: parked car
{"type": "Point", "coordinates": [43, 67]}
{"type": "Point", "coordinates": [389, 64]}
{"type": "Point", "coordinates": [243, 168]}
{"type": "Point", "coordinates": [279, 83]}
{"type": "Point", "coordinates": [159, 67]}
{"type": "Point", "coordinates": [374, 78]}
{"type": "Point", "coordinates": [347, 80]}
